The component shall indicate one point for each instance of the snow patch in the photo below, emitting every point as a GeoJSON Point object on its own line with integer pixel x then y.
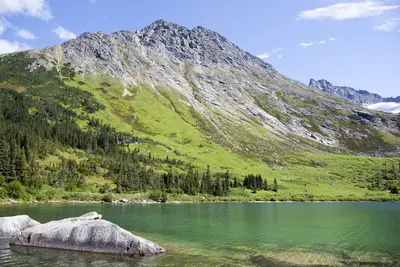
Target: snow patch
{"type": "Point", "coordinates": [390, 107]}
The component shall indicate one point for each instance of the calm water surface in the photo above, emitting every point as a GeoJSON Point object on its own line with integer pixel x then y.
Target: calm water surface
{"type": "Point", "coordinates": [251, 234]}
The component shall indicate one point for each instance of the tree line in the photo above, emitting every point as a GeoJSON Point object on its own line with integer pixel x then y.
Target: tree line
{"type": "Point", "coordinates": [35, 124]}
{"type": "Point", "coordinates": [388, 178]}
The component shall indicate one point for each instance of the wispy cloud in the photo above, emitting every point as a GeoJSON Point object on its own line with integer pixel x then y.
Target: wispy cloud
{"type": "Point", "coordinates": [92, 1]}
{"type": "Point", "coordinates": [269, 54]}
{"type": "Point", "coordinates": [349, 10]}
{"type": "Point", "coordinates": [9, 47]}
{"type": "Point", "coordinates": [322, 42]}
{"type": "Point", "coordinates": [388, 25]}
{"type": "Point", "coordinates": [306, 44]}
{"type": "Point", "coordinates": [279, 56]}
{"type": "Point", "coordinates": [25, 34]}
{"type": "Point", "coordinates": [33, 8]}
{"type": "Point", "coordinates": [332, 39]}
{"type": "Point", "coordinates": [4, 24]}
{"type": "Point", "coordinates": [64, 34]}
{"type": "Point", "coordinates": [264, 55]}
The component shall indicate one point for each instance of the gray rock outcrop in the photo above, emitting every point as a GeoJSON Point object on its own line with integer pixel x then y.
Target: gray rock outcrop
{"type": "Point", "coordinates": [85, 233]}
{"type": "Point", "coordinates": [357, 97]}
{"type": "Point", "coordinates": [13, 225]}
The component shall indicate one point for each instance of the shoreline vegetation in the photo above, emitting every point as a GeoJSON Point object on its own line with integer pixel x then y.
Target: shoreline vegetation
{"type": "Point", "coordinates": [158, 197]}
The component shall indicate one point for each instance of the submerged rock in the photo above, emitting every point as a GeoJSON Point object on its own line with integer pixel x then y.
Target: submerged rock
{"type": "Point", "coordinates": [297, 259]}
{"type": "Point", "coordinates": [13, 225]}
{"type": "Point", "coordinates": [86, 233]}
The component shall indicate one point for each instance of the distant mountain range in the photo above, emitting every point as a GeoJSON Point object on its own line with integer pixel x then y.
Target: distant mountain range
{"type": "Point", "coordinates": [359, 97]}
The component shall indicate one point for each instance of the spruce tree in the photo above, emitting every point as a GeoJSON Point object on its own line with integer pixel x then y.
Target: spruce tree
{"type": "Point", "coordinates": [218, 187]}
{"type": "Point", "coordinates": [226, 189]}
{"type": "Point", "coordinates": [235, 182]}
{"type": "Point", "coordinates": [265, 185]}
{"type": "Point", "coordinates": [208, 184]}
{"type": "Point", "coordinates": [275, 188]}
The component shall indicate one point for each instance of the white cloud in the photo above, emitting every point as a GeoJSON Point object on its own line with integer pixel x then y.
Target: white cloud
{"type": "Point", "coordinates": [332, 39]}
{"type": "Point", "coordinates": [64, 34]}
{"type": "Point", "coordinates": [386, 107]}
{"type": "Point", "coordinates": [9, 47]}
{"type": "Point", "coordinates": [92, 1]}
{"type": "Point", "coordinates": [350, 10]}
{"type": "Point", "coordinates": [306, 44]}
{"type": "Point", "coordinates": [264, 55]}
{"type": "Point", "coordinates": [322, 42]}
{"type": "Point", "coordinates": [389, 25]}
{"type": "Point", "coordinates": [25, 34]}
{"type": "Point", "coordinates": [279, 56]}
{"type": "Point", "coordinates": [269, 54]}
{"type": "Point", "coordinates": [4, 24]}
{"type": "Point", "coordinates": [34, 8]}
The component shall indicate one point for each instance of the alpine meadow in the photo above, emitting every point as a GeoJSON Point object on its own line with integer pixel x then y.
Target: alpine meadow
{"type": "Point", "coordinates": [172, 114]}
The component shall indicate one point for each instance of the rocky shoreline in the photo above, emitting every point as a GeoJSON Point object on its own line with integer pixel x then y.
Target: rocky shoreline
{"type": "Point", "coordinates": [144, 201]}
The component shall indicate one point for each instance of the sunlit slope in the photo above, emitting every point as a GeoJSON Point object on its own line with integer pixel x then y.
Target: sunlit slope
{"type": "Point", "coordinates": [175, 129]}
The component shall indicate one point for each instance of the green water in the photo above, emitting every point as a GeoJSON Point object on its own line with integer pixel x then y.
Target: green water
{"type": "Point", "coordinates": [251, 234]}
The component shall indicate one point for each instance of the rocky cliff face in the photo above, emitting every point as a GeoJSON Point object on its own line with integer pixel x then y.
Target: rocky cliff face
{"type": "Point", "coordinates": [229, 87]}
{"type": "Point", "coordinates": [357, 97]}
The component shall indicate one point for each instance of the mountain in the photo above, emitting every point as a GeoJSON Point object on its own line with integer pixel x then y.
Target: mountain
{"type": "Point", "coordinates": [213, 76]}
{"type": "Point", "coordinates": [357, 97]}
{"type": "Point", "coordinates": [158, 101]}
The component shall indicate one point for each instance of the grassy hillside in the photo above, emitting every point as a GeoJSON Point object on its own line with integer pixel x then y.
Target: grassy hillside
{"type": "Point", "coordinates": [65, 136]}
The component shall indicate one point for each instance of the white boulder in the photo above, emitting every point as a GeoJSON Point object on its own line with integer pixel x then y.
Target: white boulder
{"type": "Point", "coordinates": [86, 233]}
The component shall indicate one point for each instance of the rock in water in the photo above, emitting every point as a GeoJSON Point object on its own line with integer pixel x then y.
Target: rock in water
{"type": "Point", "coordinates": [86, 233]}
{"type": "Point", "coordinates": [13, 225]}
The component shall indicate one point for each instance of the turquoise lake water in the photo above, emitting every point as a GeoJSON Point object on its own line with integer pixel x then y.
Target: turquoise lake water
{"type": "Point", "coordinates": [232, 234]}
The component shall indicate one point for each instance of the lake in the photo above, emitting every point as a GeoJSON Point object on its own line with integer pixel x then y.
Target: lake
{"type": "Point", "coordinates": [232, 234]}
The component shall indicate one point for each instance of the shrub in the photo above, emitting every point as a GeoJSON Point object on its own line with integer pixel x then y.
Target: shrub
{"type": "Point", "coordinates": [15, 190]}
{"type": "Point", "coordinates": [3, 192]}
{"type": "Point", "coordinates": [105, 84]}
{"type": "Point", "coordinates": [158, 196]}
{"type": "Point", "coordinates": [107, 198]}
{"type": "Point", "coordinates": [42, 196]}
{"type": "Point", "coordinates": [2, 180]}
{"type": "Point", "coordinates": [106, 188]}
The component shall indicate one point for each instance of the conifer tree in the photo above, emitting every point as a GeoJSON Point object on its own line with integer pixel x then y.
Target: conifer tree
{"type": "Point", "coordinates": [275, 188]}
{"type": "Point", "coordinates": [265, 185]}
{"type": "Point", "coordinates": [226, 188]}
{"type": "Point", "coordinates": [235, 182]}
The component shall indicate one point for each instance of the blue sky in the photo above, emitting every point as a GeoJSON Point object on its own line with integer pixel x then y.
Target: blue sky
{"type": "Point", "coordinates": [354, 42]}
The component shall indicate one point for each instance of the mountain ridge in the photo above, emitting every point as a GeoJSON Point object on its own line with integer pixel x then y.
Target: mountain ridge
{"type": "Point", "coordinates": [354, 96]}
{"type": "Point", "coordinates": [218, 79]}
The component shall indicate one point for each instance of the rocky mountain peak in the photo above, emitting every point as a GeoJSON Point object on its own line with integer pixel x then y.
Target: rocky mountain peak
{"type": "Point", "coordinates": [357, 97]}
{"type": "Point", "coordinates": [163, 28]}
{"type": "Point", "coordinates": [198, 46]}
{"type": "Point", "coordinates": [322, 84]}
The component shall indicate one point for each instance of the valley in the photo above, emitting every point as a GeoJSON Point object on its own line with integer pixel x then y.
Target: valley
{"type": "Point", "coordinates": [172, 114]}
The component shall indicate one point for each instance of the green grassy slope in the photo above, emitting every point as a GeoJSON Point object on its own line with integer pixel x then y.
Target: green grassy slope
{"type": "Point", "coordinates": [178, 131]}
